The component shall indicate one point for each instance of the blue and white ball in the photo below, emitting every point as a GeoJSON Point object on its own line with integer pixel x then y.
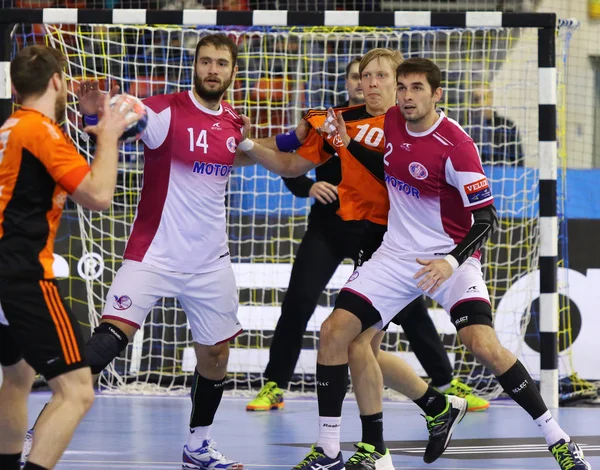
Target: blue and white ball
{"type": "Point", "coordinates": [135, 130]}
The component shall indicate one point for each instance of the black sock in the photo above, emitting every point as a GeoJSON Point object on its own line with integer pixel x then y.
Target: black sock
{"type": "Point", "coordinates": [332, 384]}
{"type": "Point", "coordinates": [206, 395]}
{"type": "Point", "coordinates": [32, 466]}
{"type": "Point", "coordinates": [432, 403]}
{"type": "Point", "coordinates": [519, 385]}
{"type": "Point", "coordinates": [10, 461]}
{"type": "Point", "coordinates": [372, 431]}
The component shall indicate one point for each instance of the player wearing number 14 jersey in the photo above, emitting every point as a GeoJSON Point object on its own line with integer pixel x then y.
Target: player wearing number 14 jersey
{"type": "Point", "coordinates": [178, 243]}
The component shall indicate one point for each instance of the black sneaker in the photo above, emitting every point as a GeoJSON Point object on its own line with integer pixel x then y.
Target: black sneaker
{"type": "Point", "coordinates": [569, 456]}
{"type": "Point", "coordinates": [440, 427]}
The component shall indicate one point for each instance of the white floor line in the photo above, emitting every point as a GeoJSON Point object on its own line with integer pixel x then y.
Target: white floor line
{"type": "Point", "coordinates": [138, 464]}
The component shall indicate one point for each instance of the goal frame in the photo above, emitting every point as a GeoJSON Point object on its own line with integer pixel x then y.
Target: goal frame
{"type": "Point", "coordinates": [545, 23]}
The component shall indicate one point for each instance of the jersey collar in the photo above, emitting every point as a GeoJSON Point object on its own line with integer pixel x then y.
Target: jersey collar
{"type": "Point", "coordinates": [203, 108]}
{"type": "Point", "coordinates": [428, 131]}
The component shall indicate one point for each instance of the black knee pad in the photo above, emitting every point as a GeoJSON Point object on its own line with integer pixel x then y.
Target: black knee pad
{"type": "Point", "coordinates": [472, 312]}
{"type": "Point", "coordinates": [106, 343]}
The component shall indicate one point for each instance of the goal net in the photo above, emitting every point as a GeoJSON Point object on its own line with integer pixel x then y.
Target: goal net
{"type": "Point", "coordinates": [490, 81]}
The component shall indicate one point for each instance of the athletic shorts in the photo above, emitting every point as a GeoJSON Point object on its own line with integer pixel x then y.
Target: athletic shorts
{"type": "Point", "coordinates": [386, 283]}
{"type": "Point", "coordinates": [36, 325]}
{"type": "Point", "coordinates": [210, 300]}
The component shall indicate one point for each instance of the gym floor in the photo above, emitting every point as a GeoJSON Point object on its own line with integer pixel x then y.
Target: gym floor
{"type": "Point", "coordinates": [148, 432]}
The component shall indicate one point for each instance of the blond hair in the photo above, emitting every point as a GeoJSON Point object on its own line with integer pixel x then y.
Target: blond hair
{"type": "Point", "coordinates": [394, 57]}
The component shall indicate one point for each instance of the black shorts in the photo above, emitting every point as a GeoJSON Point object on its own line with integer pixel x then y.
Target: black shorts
{"type": "Point", "coordinates": [370, 242]}
{"type": "Point", "coordinates": [41, 328]}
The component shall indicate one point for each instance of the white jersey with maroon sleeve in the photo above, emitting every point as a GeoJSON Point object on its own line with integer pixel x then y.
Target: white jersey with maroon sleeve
{"type": "Point", "coordinates": [189, 152]}
{"type": "Point", "coordinates": [434, 181]}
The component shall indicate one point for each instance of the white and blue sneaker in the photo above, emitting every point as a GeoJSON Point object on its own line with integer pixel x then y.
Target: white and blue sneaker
{"type": "Point", "coordinates": [26, 447]}
{"type": "Point", "coordinates": [207, 457]}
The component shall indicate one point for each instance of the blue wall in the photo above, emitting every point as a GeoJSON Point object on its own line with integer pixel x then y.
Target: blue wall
{"type": "Point", "coordinates": [256, 191]}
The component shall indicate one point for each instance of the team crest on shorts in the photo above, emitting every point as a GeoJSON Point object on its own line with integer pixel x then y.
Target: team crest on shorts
{"type": "Point", "coordinates": [353, 276]}
{"type": "Point", "coordinates": [231, 145]}
{"type": "Point", "coordinates": [122, 303]}
{"type": "Point", "coordinates": [418, 171]}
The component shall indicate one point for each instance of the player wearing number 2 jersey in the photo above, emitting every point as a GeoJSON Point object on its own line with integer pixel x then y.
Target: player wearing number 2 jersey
{"type": "Point", "coordinates": [178, 242]}
{"type": "Point", "coordinates": [441, 214]}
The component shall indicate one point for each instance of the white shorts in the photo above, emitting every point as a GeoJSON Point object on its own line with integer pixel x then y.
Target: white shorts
{"type": "Point", "coordinates": [210, 300]}
{"type": "Point", "coordinates": [387, 283]}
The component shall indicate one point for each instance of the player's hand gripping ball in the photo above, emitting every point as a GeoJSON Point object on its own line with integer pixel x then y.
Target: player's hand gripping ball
{"type": "Point", "coordinates": [134, 131]}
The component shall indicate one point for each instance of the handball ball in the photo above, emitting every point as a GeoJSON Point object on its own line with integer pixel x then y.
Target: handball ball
{"type": "Point", "coordinates": [134, 131]}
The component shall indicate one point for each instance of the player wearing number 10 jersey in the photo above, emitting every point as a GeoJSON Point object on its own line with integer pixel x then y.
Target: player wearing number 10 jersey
{"type": "Point", "coordinates": [178, 243]}
{"type": "Point", "coordinates": [363, 198]}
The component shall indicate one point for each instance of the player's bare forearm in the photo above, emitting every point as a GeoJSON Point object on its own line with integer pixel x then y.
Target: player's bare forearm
{"type": "Point", "coordinates": [284, 164]}
{"type": "Point", "coordinates": [268, 142]}
{"type": "Point", "coordinates": [241, 159]}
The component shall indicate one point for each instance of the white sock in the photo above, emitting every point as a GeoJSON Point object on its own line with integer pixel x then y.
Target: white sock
{"type": "Point", "coordinates": [550, 429]}
{"type": "Point", "coordinates": [197, 436]}
{"type": "Point", "coordinates": [329, 435]}
{"type": "Point", "coordinates": [443, 388]}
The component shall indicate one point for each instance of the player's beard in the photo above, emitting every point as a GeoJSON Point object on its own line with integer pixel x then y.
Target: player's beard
{"type": "Point", "coordinates": [210, 94]}
{"type": "Point", "coordinates": [60, 106]}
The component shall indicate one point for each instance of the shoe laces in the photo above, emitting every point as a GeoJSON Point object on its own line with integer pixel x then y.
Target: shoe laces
{"type": "Point", "coordinates": [460, 389]}
{"type": "Point", "coordinates": [436, 425]}
{"type": "Point", "coordinates": [266, 390]}
{"type": "Point", "coordinates": [212, 452]}
{"type": "Point", "coordinates": [361, 455]}
{"type": "Point", "coordinates": [310, 457]}
{"type": "Point", "coordinates": [563, 456]}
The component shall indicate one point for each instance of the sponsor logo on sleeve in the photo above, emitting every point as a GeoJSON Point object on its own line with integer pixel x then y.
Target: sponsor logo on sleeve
{"type": "Point", "coordinates": [478, 191]}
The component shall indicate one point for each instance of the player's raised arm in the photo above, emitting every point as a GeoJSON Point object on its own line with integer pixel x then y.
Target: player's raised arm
{"type": "Point", "coordinates": [97, 188]}
{"type": "Point", "coordinates": [372, 160]}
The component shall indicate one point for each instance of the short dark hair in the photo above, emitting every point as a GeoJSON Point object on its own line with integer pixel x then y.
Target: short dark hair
{"type": "Point", "coordinates": [219, 41]}
{"type": "Point", "coordinates": [33, 67]}
{"type": "Point", "coordinates": [356, 60]}
{"type": "Point", "coordinates": [420, 65]}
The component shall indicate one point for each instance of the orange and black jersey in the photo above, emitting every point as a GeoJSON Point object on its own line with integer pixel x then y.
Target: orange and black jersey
{"type": "Point", "coordinates": [38, 167]}
{"type": "Point", "coordinates": [362, 192]}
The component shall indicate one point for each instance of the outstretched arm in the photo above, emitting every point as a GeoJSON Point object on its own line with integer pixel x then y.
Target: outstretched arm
{"type": "Point", "coordinates": [285, 164]}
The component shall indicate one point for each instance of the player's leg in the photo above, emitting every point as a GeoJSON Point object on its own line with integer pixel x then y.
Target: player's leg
{"type": "Point", "coordinates": [17, 380]}
{"type": "Point", "coordinates": [371, 450]}
{"type": "Point", "coordinates": [50, 339]}
{"type": "Point", "coordinates": [467, 300]}
{"type": "Point", "coordinates": [72, 397]}
{"type": "Point", "coordinates": [442, 413]}
{"type": "Point", "coordinates": [425, 342]}
{"type": "Point", "coordinates": [315, 263]}
{"type": "Point", "coordinates": [134, 291]}
{"type": "Point", "coordinates": [210, 301]}
{"type": "Point", "coordinates": [370, 298]}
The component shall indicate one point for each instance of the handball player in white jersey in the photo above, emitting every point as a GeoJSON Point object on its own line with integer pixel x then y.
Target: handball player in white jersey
{"type": "Point", "coordinates": [178, 245]}
{"type": "Point", "coordinates": [441, 214]}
